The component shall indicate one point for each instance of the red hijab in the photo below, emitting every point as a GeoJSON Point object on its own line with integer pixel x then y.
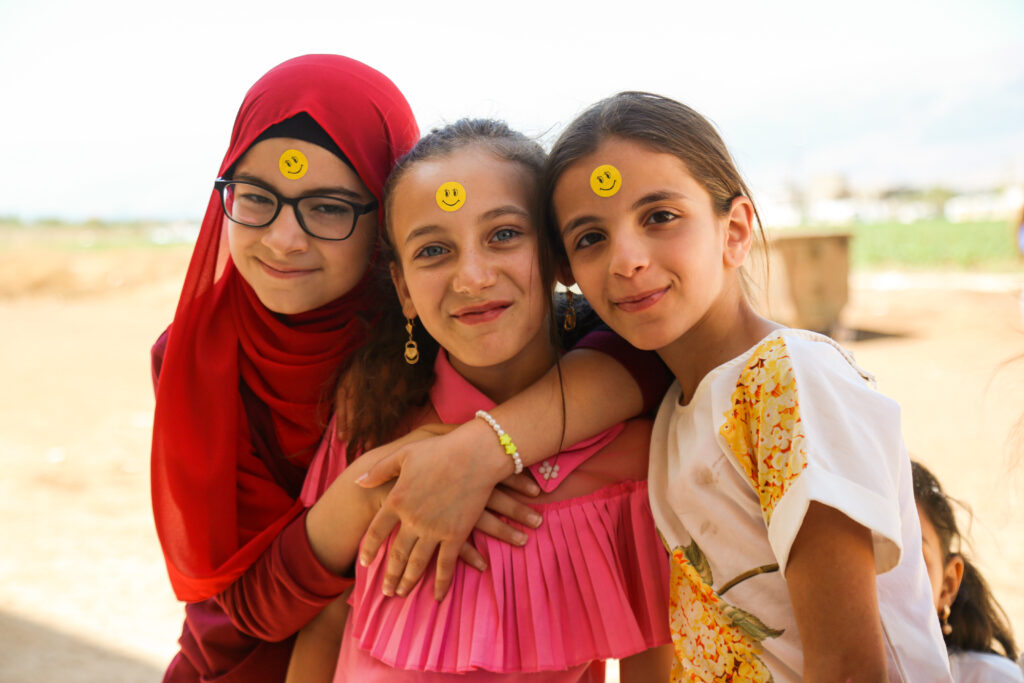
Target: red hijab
{"type": "Point", "coordinates": [217, 506]}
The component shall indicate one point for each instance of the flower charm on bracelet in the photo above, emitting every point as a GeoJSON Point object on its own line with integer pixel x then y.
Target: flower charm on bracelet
{"type": "Point", "coordinates": [547, 470]}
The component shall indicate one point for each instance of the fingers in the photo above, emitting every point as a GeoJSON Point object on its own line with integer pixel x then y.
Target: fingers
{"type": "Point", "coordinates": [414, 567]}
{"type": "Point", "coordinates": [523, 483]}
{"type": "Point", "coordinates": [447, 554]}
{"type": "Point", "coordinates": [376, 534]}
{"type": "Point", "coordinates": [504, 504]}
{"type": "Point", "coordinates": [503, 531]}
{"type": "Point", "coordinates": [389, 467]}
{"type": "Point", "coordinates": [401, 550]}
{"type": "Point", "coordinates": [472, 557]}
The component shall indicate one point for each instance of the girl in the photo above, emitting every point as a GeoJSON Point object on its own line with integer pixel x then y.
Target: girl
{"type": "Point", "coordinates": [462, 222]}
{"type": "Point", "coordinates": [275, 300]}
{"type": "Point", "coordinates": [778, 475]}
{"type": "Point", "coordinates": [972, 621]}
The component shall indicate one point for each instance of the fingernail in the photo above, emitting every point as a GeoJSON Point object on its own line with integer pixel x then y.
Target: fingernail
{"type": "Point", "coordinates": [401, 591]}
{"type": "Point", "coordinates": [363, 478]}
{"type": "Point", "coordinates": [534, 520]}
{"type": "Point", "coordinates": [389, 590]}
{"type": "Point", "coordinates": [363, 561]}
{"type": "Point", "coordinates": [520, 539]}
{"type": "Point", "coordinates": [534, 490]}
{"type": "Point", "coordinates": [480, 566]}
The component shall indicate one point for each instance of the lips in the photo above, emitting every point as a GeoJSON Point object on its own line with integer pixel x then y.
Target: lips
{"type": "Point", "coordinates": [481, 313]}
{"type": "Point", "coordinates": [635, 303]}
{"type": "Point", "coordinates": [283, 271]}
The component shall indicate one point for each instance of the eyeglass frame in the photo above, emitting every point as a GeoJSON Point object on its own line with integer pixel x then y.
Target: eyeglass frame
{"type": "Point", "coordinates": [358, 210]}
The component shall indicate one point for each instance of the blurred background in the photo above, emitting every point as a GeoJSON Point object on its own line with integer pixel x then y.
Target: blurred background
{"type": "Point", "coordinates": [883, 142]}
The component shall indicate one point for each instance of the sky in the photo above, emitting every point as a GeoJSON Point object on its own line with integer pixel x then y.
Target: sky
{"type": "Point", "coordinates": [122, 110]}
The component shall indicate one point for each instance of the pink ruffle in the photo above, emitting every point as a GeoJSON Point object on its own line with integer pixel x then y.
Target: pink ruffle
{"type": "Point", "coordinates": [590, 584]}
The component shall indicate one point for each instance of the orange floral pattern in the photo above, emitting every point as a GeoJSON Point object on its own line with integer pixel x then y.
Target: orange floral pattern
{"type": "Point", "coordinates": [763, 427]}
{"type": "Point", "coordinates": [713, 640]}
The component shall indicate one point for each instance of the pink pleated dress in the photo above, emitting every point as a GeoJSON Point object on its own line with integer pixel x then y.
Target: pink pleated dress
{"type": "Point", "coordinates": [590, 584]}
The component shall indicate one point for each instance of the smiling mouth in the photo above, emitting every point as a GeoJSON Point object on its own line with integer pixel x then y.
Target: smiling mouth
{"type": "Point", "coordinates": [640, 302]}
{"type": "Point", "coordinates": [606, 189]}
{"type": "Point", "coordinates": [452, 204]}
{"type": "Point", "coordinates": [283, 272]}
{"type": "Point", "coordinates": [298, 171]}
{"type": "Point", "coordinates": [483, 313]}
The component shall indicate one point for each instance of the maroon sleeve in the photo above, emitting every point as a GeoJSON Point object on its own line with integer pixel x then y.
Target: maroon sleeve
{"type": "Point", "coordinates": [647, 368]}
{"type": "Point", "coordinates": [156, 355]}
{"type": "Point", "coordinates": [285, 588]}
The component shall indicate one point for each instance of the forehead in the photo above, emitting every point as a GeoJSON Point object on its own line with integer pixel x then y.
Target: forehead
{"type": "Point", "coordinates": [639, 168]}
{"type": "Point", "coordinates": [488, 181]}
{"type": "Point", "coordinates": [266, 158]}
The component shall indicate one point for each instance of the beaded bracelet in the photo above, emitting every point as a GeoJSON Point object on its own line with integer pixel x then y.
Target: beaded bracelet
{"type": "Point", "coordinates": [504, 439]}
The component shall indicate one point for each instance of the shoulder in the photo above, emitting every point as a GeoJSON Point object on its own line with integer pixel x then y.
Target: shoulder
{"type": "Point", "coordinates": [803, 352]}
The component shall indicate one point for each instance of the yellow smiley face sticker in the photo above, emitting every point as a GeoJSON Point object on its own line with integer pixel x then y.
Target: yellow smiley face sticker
{"type": "Point", "coordinates": [293, 164]}
{"type": "Point", "coordinates": [605, 180]}
{"type": "Point", "coordinates": [450, 196]}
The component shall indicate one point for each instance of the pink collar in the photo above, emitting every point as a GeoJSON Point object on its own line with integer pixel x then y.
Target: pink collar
{"type": "Point", "coordinates": [456, 401]}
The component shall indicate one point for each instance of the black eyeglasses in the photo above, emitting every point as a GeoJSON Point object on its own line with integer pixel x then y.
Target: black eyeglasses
{"type": "Point", "coordinates": [320, 216]}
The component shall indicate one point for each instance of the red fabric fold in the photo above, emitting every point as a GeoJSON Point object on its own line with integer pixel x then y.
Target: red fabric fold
{"type": "Point", "coordinates": [216, 504]}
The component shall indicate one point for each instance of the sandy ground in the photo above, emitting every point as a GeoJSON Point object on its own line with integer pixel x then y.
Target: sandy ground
{"type": "Point", "coordinates": [83, 593]}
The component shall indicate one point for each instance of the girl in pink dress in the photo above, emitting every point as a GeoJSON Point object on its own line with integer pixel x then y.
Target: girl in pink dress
{"type": "Point", "coordinates": [590, 583]}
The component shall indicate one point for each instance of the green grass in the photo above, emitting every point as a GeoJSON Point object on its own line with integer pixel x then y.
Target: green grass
{"type": "Point", "coordinates": [936, 244]}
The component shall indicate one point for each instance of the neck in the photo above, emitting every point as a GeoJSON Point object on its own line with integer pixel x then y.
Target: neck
{"type": "Point", "coordinates": [728, 329]}
{"type": "Point", "coordinates": [504, 380]}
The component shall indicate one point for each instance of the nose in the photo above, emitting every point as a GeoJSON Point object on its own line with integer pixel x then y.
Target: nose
{"type": "Point", "coordinates": [475, 273]}
{"type": "Point", "coordinates": [285, 235]}
{"type": "Point", "coordinates": [629, 255]}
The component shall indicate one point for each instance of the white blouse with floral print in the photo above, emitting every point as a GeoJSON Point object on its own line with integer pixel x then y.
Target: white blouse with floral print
{"type": "Point", "coordinates": [732, 472]}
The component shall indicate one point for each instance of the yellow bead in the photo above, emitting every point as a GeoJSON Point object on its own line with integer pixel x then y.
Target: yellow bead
{"type": "Point", "coordinates": [510, 448]}
{"type": "Point", "coordinates": [504, 440]}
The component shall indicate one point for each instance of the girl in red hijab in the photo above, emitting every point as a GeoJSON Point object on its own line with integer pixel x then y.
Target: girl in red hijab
{"type": "Point", "coordinates": [255, 344]}
{"type": "Point", "coordinates": [276, 298]}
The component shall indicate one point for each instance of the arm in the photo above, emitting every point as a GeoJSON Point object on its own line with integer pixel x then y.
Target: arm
{"type": "Point", "coordinates": [650, 665]}
{"type": "Point", "coordinates": [831, 581]}
{"type": "Point", "coordinates": [305, 567]}
{"type": "Point", "coordinates": [445, 482]}
{"type": "Point", "coordinates": [315, 654]}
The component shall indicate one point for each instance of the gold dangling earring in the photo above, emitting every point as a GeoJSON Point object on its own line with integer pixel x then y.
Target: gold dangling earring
{"type": "Point", "coordinates": [946, 628]}
{"type": "Point", "coordinates": [412, 349]}
{"type": "Point", "coordinates": [570, 314]}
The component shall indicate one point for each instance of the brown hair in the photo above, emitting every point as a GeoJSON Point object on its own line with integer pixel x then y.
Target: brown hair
{"type": "Point", "coordinates": [383, 387]}
{"type": "Point", "coordinates": [665, 126]}
{"type": "Point", "coordinates": [977, 619]}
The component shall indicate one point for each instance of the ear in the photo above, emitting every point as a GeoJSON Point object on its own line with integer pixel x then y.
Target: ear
{"type": "Point", "coordinates": [398, 279]}
{"type": "Point", "coordinates": [739, 232]}
{"type": "Point", "coordinates": [952, 575]}
{"type": "Point", "coordinates": [564, 274]}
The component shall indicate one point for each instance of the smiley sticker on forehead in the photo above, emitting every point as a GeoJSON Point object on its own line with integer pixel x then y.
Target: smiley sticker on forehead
{"type": "Point", "coordinates": [605, 180]}
{"type": "Point", "coordinates": [450, 196]}
{"type": "Point", "coordinates": [293, 164]}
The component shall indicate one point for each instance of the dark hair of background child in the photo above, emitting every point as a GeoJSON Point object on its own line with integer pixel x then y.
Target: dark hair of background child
{"type": "Point", "coordinates": [977, 619]}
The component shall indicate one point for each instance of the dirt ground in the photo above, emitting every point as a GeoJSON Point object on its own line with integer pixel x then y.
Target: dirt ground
{"type": "Point", "coordinates": [83, 592]}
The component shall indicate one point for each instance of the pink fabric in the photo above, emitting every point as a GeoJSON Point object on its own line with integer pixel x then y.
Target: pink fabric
{"type": "Point", "coordinates": [590, 584]}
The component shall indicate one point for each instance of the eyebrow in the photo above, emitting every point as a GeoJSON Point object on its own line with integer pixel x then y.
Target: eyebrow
{"type": "Point", "coordinates": [658, 196]}
{"type": "Point", "coordinates": [423, 230]}
{"type": "Point", "coordinates": [650, 198]}
{"type": "Point", "coordinates": [507, 210]}
{"type": "Point", "coordinates": [343, 191]}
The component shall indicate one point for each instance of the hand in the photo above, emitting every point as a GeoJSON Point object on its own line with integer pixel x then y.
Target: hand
{"type": "Point", "coordinates": [443, 486]}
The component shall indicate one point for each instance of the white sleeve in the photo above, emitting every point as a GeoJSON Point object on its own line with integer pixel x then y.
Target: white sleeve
{"type": "Point", "coordinates": [814, 430]}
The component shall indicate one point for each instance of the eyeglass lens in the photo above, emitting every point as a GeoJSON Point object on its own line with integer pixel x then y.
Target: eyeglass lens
{"type": "Point", "coordinates": [255, 206]}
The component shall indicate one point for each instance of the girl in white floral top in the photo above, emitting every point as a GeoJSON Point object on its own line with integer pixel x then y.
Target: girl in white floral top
{"type": "Point", "coordinates": [778, 476]}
